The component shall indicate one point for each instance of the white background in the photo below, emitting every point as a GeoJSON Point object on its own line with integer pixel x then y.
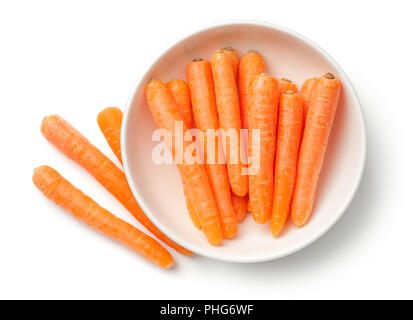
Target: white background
{"type": "Point", "coordinates": [74, 58]}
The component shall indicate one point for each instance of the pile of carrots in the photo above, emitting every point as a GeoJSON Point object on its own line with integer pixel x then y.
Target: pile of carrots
{"type": "Point", "coordinates": [294, 127]}
{"type": "Point", "coordinates": [228, 93]}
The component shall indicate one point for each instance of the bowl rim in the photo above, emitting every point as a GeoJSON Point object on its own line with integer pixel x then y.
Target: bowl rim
{"type": "Point", "coordinates": [281, 253]}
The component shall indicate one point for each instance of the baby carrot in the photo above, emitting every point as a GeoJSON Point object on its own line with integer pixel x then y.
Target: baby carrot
{"type": "Point", "coordinates": [240, 206]}
{"type": "Point", "coordinates": [285, 85]}
{"type": "Point", "coordinates": [251, 65]}
{"type": "Point", "coordinates": [201, 85]}
{"type": "Point", "coordinates": [233, 59]}
{"type": "Point", "coordinates": [85, 209]}
{"type": "Point", "coordinates": [229, 120]}
{"type": "Point", "coordinates": [191, 209]}
{"type": "Point", "coordinates": [320, 117]}
{"type": "Point", "coordinates": [305, 93]}
{"type": "Point", "coordinates": [165, 114]}
{"type": "Point", "coordinates": [180, 92]}
{"type": "Point", "coordinates": [290, 121]}
{"type": "Point", "coordinates": [76, 147]}
{"type": "Point", "coordinates": [262, 115]}
{"type": "Point", "coordinates": [110, 123]}
{"type": "Point", "coordinates": [248, 204]}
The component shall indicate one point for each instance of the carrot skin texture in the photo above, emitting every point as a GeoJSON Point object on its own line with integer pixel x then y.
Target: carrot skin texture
{"type": "Point", "coordinates": [229, 118]}
{"type": "Point", "coordinates": [180, 92]}
{"type": "Point", "coordinates": [165, 113]}
{"type": "Point", "coordinates": [76, 147]}
{"type": "Point", "coordinates": [233, 59]}
{"type": "Point", "coordinates": [290, 122]}
{"type": "Point", "coordinates": [199, 75]}
{"type": "Point", "coordinates": [240, 206]}
{"type": "Point", "coordinates": [306, 92]}
{"type": "Point", "coordinates": [250, 66]}
{"type": "Point", "coordinates": [191, 209]}
{"type": "Point", "coordinates": [320, 117]}
{"type": "Point", "coordinates": [110, 123]}
{"type": "Point", "coordinates": [262, 115]}
{"type": "Point", "coordinates": [85, 209]}
{"type": "Point", "coordinates": [285, 85]}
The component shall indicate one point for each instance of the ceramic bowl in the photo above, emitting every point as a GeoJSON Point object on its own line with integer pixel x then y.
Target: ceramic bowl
{"type": "Point", "coordinates": [158, 188]}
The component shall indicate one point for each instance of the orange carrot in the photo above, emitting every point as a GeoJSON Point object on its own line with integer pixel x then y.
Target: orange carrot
{"type": "Point", "coordinates": [199, 75]}
{"type": "Point", "coordinates": [76, 147]}
{"type": "Point", "coordinates": [262, 115]}
{"type": "Point", "coordinates": [82, 207]}
{"type": "Point", "coordinates": [229, 119]}
{"type": "Point", "coordinates": [320, 117]}
{"type": "Point", "coordinates": [251, 65]}
{"type": "Point", "coordinates": [285, 85]}
{"type": "Point", "coordinates": [290, 121]}
{"type": "Point", "coordinates": [110, 123]}
{"type": "Point", "coordinates": [165, 114]}
{"type": "Point", "coordinates": [240, 206]}
{"type": "Point", "coordinates": [191, 209]}
{"type": "Point", "coordinates": [180, 92]}
{"type": "Point", "coordinates": [305, 93]}
{"type": "Point", "coordinates": [233, 58]}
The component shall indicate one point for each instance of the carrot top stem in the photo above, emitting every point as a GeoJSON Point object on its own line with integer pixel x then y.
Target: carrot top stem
{"type": "Point", "coordinates": [329, 75]}
{"type": "Point", "coordinates": [197, 59]}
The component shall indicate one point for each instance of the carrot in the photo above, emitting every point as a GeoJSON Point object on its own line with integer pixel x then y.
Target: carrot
{"type": "Point", "coordinates": [248, 204]}
{"type": "Point", "coordinates": [306, 92]}
{"type": "Point", "coordinates": [233, 58]}
{"type": "Point", "coordinates": [229, 119]}
{"type": "Point", "coordinates": [320, 117]}
{"type": "Point", "coordinates": [110, 123]}
{"type": "Point", "coordinates": [85, 209]}
{"type": "Point", "coordinates": [262, 115]}
{"type": "Point", "coordinates": [165, 114]}
{"type": "Point", "coordinates": [290, 121]}
{"type": "Point", "coordinates": [191, 209]}
{"type": "Point", "coordinates": [251, 65]}
{"type": "Point", "coordinates": [76, 147]}
{"type": "Point", "coordinates": [180, 92]}
{"type": "Point", "coordinates": [201, 85]}
{"type": "Point", "coordinates": [285, 85]}
{"type": "Point", "coordinates": [240, 206]}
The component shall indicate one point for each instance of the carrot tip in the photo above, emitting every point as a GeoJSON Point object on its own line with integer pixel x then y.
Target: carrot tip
{"type": "Point", "coordinates": [227, 48]}
{"type": "Point", "coordinates": [197, 59]}
{"type": "Point", "coordinates": [252, 51]}
{"type": "Point", "coordinates": [329, 75]}
{"type": "Point", "coordinates": [285, 79]}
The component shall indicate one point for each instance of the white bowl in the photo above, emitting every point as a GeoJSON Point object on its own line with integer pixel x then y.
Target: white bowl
{"type": "Point", "coordinates": [158, 188]}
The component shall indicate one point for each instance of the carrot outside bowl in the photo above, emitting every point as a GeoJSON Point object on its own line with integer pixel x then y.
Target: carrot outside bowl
{"type": "Point", "coordinates": [158, 188]}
